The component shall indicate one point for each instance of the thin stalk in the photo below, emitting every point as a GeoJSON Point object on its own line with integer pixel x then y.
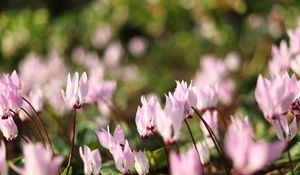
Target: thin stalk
{"type": "Point", "coordinates": [40, 121]}
{"type": "Point", "coordinates": [288, 149]}
{"type": "Point", "coordinates": [164, 146]}
{"type": "Point", "coordinates": [216, 142]}
{"type": "Point", "coordinates": [72, 143]}
{"type": "Point", "coordinates": [193, 139]}
{"type": "Point", "coordinates": [24, 138]}
{"type": "Point", "coordinates": [290, 161]}
{"type": "Point", "coordinates": [35, 126]}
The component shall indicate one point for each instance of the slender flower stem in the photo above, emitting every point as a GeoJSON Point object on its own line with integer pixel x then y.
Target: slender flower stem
{"type": "Point", "coordinates": [35, 126]}
{"type": "Point", "coordinates": [40, 121]}
{"type": "Point", "coordinates": [164, 146]}
{"type": "Point", "coordinates": [288, 149]}
{"type": "Point", "coordinates": [194, 142]}
{"type": "Point", "coordinates": [72, 143]}
{"type": "Point", "coordinates": [215, 140]}
{"type": "Point", "coordinates": [290, 161]}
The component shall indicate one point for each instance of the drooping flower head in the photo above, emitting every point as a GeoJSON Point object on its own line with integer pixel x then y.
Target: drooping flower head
{"type": "Point", "coordinates": [8, 128]}
{"type": "Point", "coordinates": [187, 95]}
{"type": "Point", "coordinates": [207, 97]}
{"type": "Point", "coordinates": [76, 91]}
{"type": "Point", "coordinates": [284, 131]}
{"type": "Point", "coordinates": [185, 163]}
{"type": "Point", "coordinates": [124, 158]}
{"type": "Point", "coordinates": [170, 120]}
{"type": "Point", "coordinates": [39, 160]}
{"type": "Point", "coordinates": [146, 115]}
{"type": "Point", "coordinates": [91, 159]}
{"type": "Point", "coordinates": [108, 141]}
{"type": "Point", "coordinates": [10, 89]}
{"type": "Point", "coordinates": [275, 96]}
{"type": "Point", "coordinates": [141, 162]}
{"type": "Point", "coordinates": [211, 118]}
{"type": "Point", "coordinates": [244, 151]}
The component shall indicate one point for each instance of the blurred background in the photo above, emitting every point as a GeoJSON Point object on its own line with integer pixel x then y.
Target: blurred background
{"type": "Point", "coordinates": [142, 45]}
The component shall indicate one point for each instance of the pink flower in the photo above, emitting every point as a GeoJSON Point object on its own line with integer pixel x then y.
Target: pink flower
{"type": "Point", "coordinates": [141, 163]}
{"type": "Point", "coordinates": [275, 96]}
{"type": "Point", "coordinates": [243, 150]}
{"type": "Point", "coordinates": [113, 54]}
{"type": "Point", "coordinates": [8, 128]}
{"type": "Point", "coordinates": [39, 160]}
{"type": "Point", "coordinates": [10, 88]}
{"type": "Point", "coordinates": [280, 59]}
{"type": "Point", "coordinates": [295, 64]}
{"type": "Point", "coordinates": [99, 90]}
{"type": "Point", "coordinates": [137, 46]}
{"type": "Point", "coordinates": [170, 120]}
{"type": "Point", "coordinates": [146, 114]}
{"type": "Point", "coordinates": [76, 91]}
{"type": "Point", "coordinates": [207, 97]}
{"type": "Point", "coordinates": [108, 141]}
{"type": "Point", "coordinates": [124, 158]}
{"type": "Point", "coordinates": [284, 131]}
{"type": "Point", "coordinates": [91, 160]}
{"type": "Point", "coordinates": [294, 39]}
{"type": "Point", "coordinates": [185, 163]}
{"type": "Point", "coordinates": [187, 95]}
{"type": "Point", "coordinates": [3, 166]}
{"type": "Point", "coordinates": [214, 73]}
{"type": "Point", "coordinates": [211, 118]}
{"type": "Point", "coordinates": [102, 36]}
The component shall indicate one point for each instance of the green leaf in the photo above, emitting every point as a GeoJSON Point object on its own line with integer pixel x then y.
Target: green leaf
{"type": "Point", "coordinates": [108, 168]}
{"type": "Point", "coordinates": [65, 171]}
{"type": "Point", "coordinates": [157, 159]}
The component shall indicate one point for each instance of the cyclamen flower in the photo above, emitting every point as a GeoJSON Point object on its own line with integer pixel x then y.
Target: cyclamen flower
{"type": "Point", "coordinates": [91, 159]}
{"type": "Point", "coordinates": [124, 158]}
{"type": "Point", "coordinates": [243, 150]}
{"type": "Point", "coordinates": [76, 91]}
{"type": "Point", "coordinates": [141, 163]}
{"type": "Point", "coordinates": [39, 160]}
{"type": "Point", "coordinates": [284, 131]}
{"type": "Point", "coordinates": [170, 120]}
{"type": "Point", "coordinates": [3, 166]}
{"type": "Point", "coordinates": [187, 95]}
{"type": "Point", "coordinates": [207, 97]}
{"type": "Point", "coordinates": [8, 128]}
{"type": "Point", "coordinates": [275, 96]}
{"type": "Point", "coordinates": [211, 118]}
{"type": "Point", "coordinates": [108, 141]}
{"type": "Point", "coordinates": [146, 115]}
{"type": "Point", "coordinates": [10, 89]}
{"type": "Point", "coordinates": [280, 59]}
{"type": "Point", "coordinates": [185, 163]}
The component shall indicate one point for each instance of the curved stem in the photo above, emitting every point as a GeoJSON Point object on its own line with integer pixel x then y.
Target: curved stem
{"type": "Point", "coordinates": [193, 139]}
{"type": "Point", "coordinates": [35, 126]}
{"type": "Point", "coordinates": [72, 143]}
{"type": "Point", "coordinates": [290, 161]}
{"type": "Point", "coordinates": [164, 146]}
{"type": "Point", "coordinates": [215, 140]}
{"type": "Point", "coordinates": [40, 121]}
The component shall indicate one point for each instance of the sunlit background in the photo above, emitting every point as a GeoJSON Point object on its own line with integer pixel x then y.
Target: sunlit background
{"type": "Point", "coordinates": [142, 45]}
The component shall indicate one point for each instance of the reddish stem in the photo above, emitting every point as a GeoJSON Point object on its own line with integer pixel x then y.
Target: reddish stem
{"type": "Point", "coordinates": [40, 121]}
{"type": "Point", "coordinates": [73, 142]}
{"type": "Point", "coordinates": [35, 126]}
